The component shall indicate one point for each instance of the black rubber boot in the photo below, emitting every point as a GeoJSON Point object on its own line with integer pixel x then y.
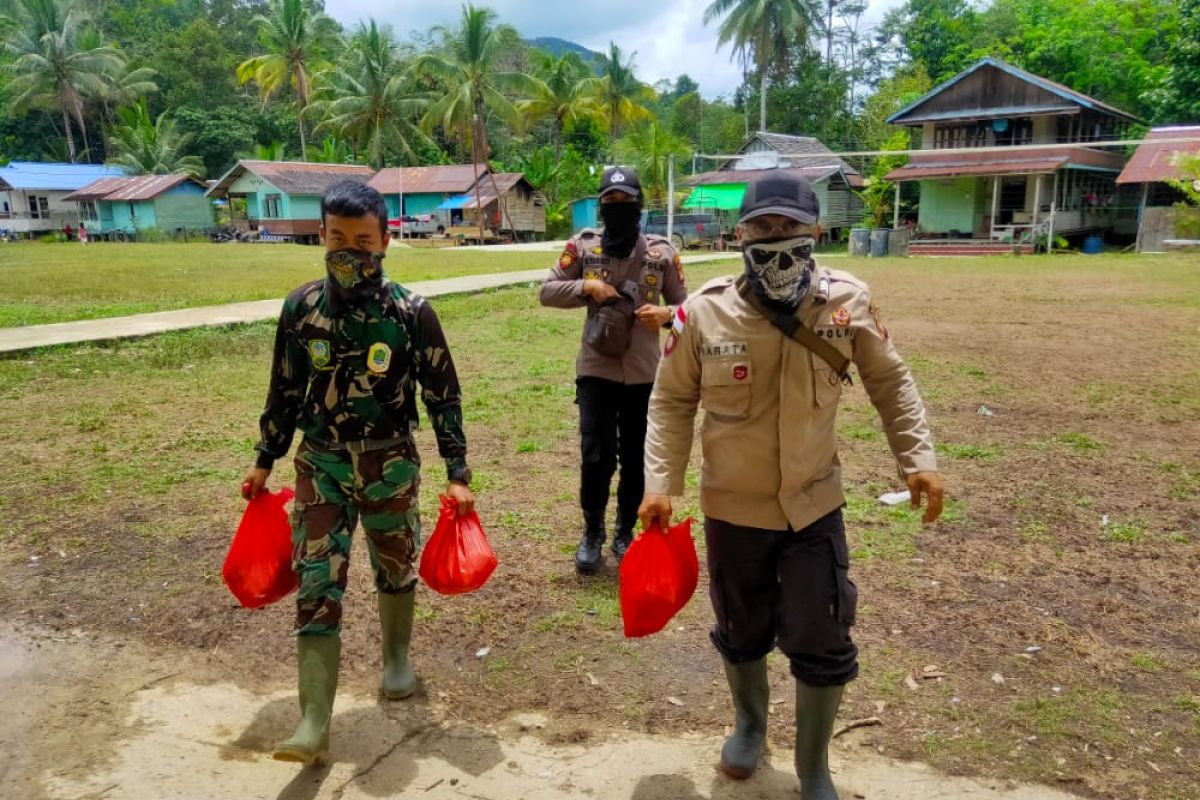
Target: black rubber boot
{"type": "Point", "coordinates": [591, 544]}
{"type": "Point", "coordinates": [751, 694]}
{"type": "Point", "coordinates": [816, 709]}
{"type": "Point", "coordinates": [623, 535]}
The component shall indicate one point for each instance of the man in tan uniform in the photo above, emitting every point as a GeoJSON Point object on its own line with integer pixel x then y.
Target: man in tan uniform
{"type": "Point", "coordinates": [770, 483]}
{"type": "Point", "coordinates": [621, 276]}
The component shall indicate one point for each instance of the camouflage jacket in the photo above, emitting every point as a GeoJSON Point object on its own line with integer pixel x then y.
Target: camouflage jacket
{"type": "Point", "coordinates": [348, 375]}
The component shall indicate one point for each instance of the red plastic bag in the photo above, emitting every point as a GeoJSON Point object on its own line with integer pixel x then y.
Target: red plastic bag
{"type": "Point", "coordinates": [258, 567]}
{"type": "Point", "coordinates": [658, 576]}
{"type": "Point", "coordinates": [457, 558]}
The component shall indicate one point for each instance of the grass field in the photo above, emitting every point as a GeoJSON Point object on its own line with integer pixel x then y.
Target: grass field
{"type": "Point", "coordinates": [1066, 563]}
{"type": "Point", "coordinates": [44, 283]}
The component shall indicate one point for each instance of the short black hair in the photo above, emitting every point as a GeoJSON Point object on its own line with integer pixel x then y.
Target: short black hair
{"type": "Point", "coordinates": [354, 199]}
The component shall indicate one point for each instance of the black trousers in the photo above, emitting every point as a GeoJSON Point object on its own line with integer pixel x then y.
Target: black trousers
{"type": "Point", "coordinates": [612, 428]}
{"type": "Point", "coordinates": [790, 588]}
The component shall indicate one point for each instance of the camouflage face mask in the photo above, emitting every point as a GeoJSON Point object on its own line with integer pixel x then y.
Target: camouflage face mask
{"type": "Point", "coordinates": [351, 269]}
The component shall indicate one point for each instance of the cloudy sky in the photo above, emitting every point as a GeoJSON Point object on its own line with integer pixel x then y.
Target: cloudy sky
{"type": "Point", "coordinates": [669, 38]}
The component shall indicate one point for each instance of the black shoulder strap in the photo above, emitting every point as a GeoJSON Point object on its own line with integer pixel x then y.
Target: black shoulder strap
{"type": "Point", "coordinates": [791, 326]}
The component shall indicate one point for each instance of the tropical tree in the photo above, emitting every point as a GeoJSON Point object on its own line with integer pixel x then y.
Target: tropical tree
{"type": "Point", "coordinates": [331, 151]}
{"type": "Point", "coordinates": [620, 94]}
{"type": "Point", "coordinates": [367, 99]}
{"type": "Point", "coordinates": [647, 148]}
{"type": "Point", "coordinates": [561, 94]}
{"type": "Point", "coordinates": [151, 147]}
{"type": "Point", "coordinates": [297, 39]}
{"type": "Point", "coordinates": [466, 66]}
{"type": "Point", "coordinates": [48, 67]}
{"type": "Point", "coordinates": [766, 31]}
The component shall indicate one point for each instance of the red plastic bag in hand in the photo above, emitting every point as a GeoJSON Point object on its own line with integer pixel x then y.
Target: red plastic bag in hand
{"type": "Point", "coordinates": [658, 576]}
{"type": "Point", "coordinates": [258, 568]}
{"type": "Point", "coordinates": [457, 558]}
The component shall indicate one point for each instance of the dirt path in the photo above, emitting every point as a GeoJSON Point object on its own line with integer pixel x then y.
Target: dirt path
{"type": "Point", "coordinates": [90, 719]}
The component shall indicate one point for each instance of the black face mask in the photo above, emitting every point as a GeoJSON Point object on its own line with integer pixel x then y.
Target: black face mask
{"type": "Point", "coordinates": [353, 275]}
{"type": "Point", "coordinates": [622, 224]}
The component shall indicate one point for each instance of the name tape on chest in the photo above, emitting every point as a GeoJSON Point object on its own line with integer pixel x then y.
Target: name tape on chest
{"type": "Point", "coordinates": [724, 349]}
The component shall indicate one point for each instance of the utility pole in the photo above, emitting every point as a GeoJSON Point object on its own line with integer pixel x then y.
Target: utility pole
{"type": "Point", "coordinates": [670, 197]}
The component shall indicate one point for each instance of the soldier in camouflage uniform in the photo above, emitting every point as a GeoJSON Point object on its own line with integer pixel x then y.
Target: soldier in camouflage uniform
{"type": "Point", "coordinates": [350, 351]}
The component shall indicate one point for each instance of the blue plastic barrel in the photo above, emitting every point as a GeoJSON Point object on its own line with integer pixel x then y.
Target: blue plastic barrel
{"type": "Point", "coordinates": [879, 242]}
{"type": "Point", "coordinates": [860, 242]}
{"type": "Point", "coordinates": [1093, 245]}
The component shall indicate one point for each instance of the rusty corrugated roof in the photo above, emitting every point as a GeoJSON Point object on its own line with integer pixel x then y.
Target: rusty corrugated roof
{"type": "Point", "coordinates": [131, 189]}
{"type": "Point", "coordinates": [1021, 161]}
{"type": "Point", "coordinates": [1154, 161]}
{"type": "Point", "coordinates": [813, 174]}
{"type": "Point", "coordinates": [294, 177]}
{"type": "Point", "coordinates": [447, 179]}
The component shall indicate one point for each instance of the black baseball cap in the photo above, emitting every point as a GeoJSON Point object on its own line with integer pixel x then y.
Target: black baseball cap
{"type": "Point", "coordinates": [784, 194]}
{"type": "Point", "coordinates": [620, 179]}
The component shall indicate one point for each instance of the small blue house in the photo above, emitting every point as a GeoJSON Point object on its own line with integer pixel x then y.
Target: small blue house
{"type": "Point", "coordinates": [128, 205]}
{"type": "Point", "coordinates": [422, 191]}
{"type": "Point", "coordinates": [585, 213]}
{"type": "Point", "coordinates": [33, 194]}
{"type": "Point", "coordinates": [283, 197]}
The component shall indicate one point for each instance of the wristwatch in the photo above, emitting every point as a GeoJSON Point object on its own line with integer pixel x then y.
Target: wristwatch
{"type": "Point", "coordinates": [461, 475]}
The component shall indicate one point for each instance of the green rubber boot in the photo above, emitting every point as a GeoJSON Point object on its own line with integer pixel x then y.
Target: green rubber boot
{"type": "Point", "coordinates": [816, 709]}
{"type": "Point", "coordinates": [318, 657]}
{"type": "Point", "coordinates": [396, 622]}
{"type": "Point", "coordinates": [751, 693]}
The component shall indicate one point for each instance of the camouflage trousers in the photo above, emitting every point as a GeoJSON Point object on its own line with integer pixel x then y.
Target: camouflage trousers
{"type": "Point", "coordinates": [334, 490]}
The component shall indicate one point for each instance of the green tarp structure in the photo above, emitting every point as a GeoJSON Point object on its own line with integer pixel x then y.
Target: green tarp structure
{"type": "Point", "coordinates": [725, 196]}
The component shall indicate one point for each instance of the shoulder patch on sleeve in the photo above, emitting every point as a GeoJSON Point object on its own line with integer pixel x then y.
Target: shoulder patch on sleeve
{"type": "Point", "coordinates": [677, 326]}
{"type": "Point", "coordinates": [569, 254]}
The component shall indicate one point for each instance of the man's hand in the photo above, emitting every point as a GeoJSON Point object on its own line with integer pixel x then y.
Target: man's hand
{"type": "Point", "coordinates": [461, 494]}
{"type": "Point", "coordinates": [653, 317]}
{"type": "Point", "coordinates": [655, 508]}
{"type": "Point", "coordinates": [930, 484]}
{"type": "Point", "coordinates": [254, 482]}
{"type": "Point", "coordinates": [599, 291]}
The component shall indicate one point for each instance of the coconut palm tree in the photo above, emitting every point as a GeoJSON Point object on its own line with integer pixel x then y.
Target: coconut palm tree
{"type": "Point", "coordinates": [367, 98]}
{"type": "Point", "coordinates": [765, 29]}
{"type": "Point", "coordinates": [145, 147]}
{"type": "Point", "coordinates": [561, 93]}
{"type": "Point", "coordinates": [619, 93]}
{"type": "Point", "coordinates": [467, 68]}
{"type": "Point", "coordinates": [297, 39]}
{"type": "Point", "coordinates": [48, 67]}
{"type": "Point", "coordinates": [647, 147]}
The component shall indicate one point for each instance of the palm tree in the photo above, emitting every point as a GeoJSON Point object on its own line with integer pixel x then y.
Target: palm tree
{"type": "Point", "coordinates": [467, 69]}
{"type": "Point", "coordinates": [367, 99]}
{"type": "Point", "coordinates": [561, 94]}
{"type": "Point", "coordinates": [145, 147]}
{"type": "Point", "coordinates": [331, 151]}
{"type": "Point", "coordinates": [48, 67]}
{"type": "Point", "coordinates": [619, 92]}
{"type": "Point", "coordinates": [766, 28]}
{"type": "Point", "coordinates": [296, 38]}
{"type": "Point", "coordinates": [647, 148]}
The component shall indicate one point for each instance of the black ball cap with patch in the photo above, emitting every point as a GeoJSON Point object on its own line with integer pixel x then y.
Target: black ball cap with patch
{"type": "Point", "coordinates": [620, 179]}
{"type": "Point", "coordinates": [787, 195]}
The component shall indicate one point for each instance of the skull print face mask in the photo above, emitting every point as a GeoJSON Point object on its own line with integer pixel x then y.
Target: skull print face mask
{"type": "Point", "coordinates": [779, 270]}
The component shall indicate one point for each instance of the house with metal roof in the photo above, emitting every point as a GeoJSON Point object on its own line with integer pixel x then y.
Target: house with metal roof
{"type": "Point", "coordinates": [511, 205]}
{"type": "Point", "coordinates": [414, 195]}
{"type": "Point", "coordinates": [33, 194]}
{"type": "Point", "coordinates": [1013, 158]}
{"type": "Point", "coordinates": [282, 198]}
{"type": "Point", "coordinates": [834, 181]}
{"type": "Point", "coordinates": [123, 207]}
{"type": "Point", "coordinates": [1154, 163]}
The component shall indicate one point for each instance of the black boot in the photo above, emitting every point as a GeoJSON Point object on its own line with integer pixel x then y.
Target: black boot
{"type": "Point", "coordinates": [623, 535]}
{"type": "Point", "coordinates": [751, 694]}
{"type": "Point", "coordinates": [816, 709]}
{"type": "Point", "coordinates": [587, 555]}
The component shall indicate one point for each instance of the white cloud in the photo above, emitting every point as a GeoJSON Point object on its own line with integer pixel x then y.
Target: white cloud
{"type": "Point", "coordinates": [669, 38]}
